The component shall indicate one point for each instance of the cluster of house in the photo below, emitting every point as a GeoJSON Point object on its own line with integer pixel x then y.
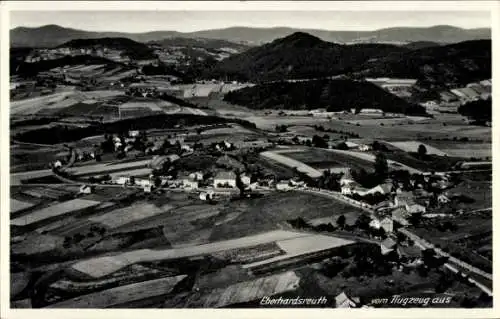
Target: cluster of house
{"type": "Point", "coordinates": [56, 53]}
{"type": "Point", "coordinates": [455, 97]}
{"type": "Point", "coordinates": [401, 204]}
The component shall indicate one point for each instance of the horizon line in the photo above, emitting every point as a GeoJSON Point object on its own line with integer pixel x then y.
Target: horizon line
{"type": "Point", "coordinates": [250, 27]}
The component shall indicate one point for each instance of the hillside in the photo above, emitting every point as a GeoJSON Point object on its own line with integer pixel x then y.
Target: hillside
{"type": "Point", "coordinates": [135, 50]}
{"type": "Point", "coordinates": [417, 45]}
{"type": "Point", "coordinates": [299, 55]}
{"type": "Point", "coordinates": [335, 95]}
{"type": "Point", "coordinates": [438, 66]}
{"type": "Point", "coordinates": [54, 35]}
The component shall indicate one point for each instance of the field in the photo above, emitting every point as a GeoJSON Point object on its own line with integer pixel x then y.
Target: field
{"type": "Point", "coordinates": [102, 266]}
{"type": "Point", "coordinates": [292, 163]}
{"type": "Point", "coordinates": [122, 216]}
{"type": "Point", "coordinates": [96, 169]}
{"type": "Point", "coordinates": [17, 205]}
{"type": "Point", "coordinates": [321, 159]}
{"type": "Point", "coordinates": [53, 211]}
{"type": "Point", "coordinates": [464, 149]}
{"type": "Point", "coordinates": [412, 147]}
{"type": "Point", "coordinates": [268, 212]}
{"type": "Point", "coordinates": [36, 244]}
{"type": "Point", "coordinates": [244, 291]}
{"type": "Point", "coordinates": [123, 295]}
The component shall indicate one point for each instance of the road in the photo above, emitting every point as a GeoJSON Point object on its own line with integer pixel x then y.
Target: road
{"type": "Point", "coordinates": [455, 270]}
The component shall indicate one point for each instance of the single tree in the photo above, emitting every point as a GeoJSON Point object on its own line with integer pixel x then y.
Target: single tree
{"type": "Point", "coordinates": [381, 166]}
{"type": "Point", "coordinates": [341, 221]}
{"type": "Point", "coordinates": [422, 150]}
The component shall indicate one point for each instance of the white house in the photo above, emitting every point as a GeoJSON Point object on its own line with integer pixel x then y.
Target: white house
{"type": "Point", "coordinates": [226, 179]}
{"type": "Point", "coordinates": [245, 179]}
{"type": "Point", "coordinates": [283, 186]}
{"type": "Point", "coordinates": [364, 148]}
{"type": "Point", "coordinates": [197, 176]}
{"type": "Point", "coordinates": [133, 133]}
{"type": "Point", "coordinates": [85, 189]}
{"type": "Point", "coordinates": [57, 164]}
{"type": "Point", "coordinates": [143, 182]}
{"type": "Point", "coordinates": [386, 223]}
{"type": "Point", "coordinates": [208, 195]}
{"type": "Point", "coordinates": [346, 179]}
{"type": "Point", "coordinates": [121, 180]}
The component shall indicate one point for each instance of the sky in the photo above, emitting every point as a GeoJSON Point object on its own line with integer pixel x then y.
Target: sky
{"type": "Point", "coordinates": [188, 21]}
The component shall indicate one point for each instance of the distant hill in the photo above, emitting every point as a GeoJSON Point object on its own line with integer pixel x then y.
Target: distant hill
{"type": "Point", "coordinates": [334, 95]}
{"type": "Point", "coordinates": [208, 44]}
{"type": "Point", "coordinates": [448, 65]}
{"type": "Point", "coordinates": [131, 48]}
{"type": "Point", "coordinates": [53, 35]}
{"type": "Point", "coordinates": [298, 56]}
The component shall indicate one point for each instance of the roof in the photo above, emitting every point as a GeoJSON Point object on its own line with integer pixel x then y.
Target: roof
{"type": "Point", "coordinates": [225, 175]}
{"type": "Point", "coordinates": [389, 243]}
{"type": "Point", "coordinates": [410, 251]}
{"type": "Point", "coordinates": [351, 144]}
{"type": "Point", "coordinates": [386, 187]}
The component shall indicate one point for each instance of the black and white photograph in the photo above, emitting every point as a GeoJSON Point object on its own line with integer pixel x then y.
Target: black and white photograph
{"type": "Point", "coordinates": [254, 158]}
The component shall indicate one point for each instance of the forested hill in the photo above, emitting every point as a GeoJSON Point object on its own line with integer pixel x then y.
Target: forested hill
{"type": "Point", "coordinates": [436, 66]}
{"type": "Point", "coordinates": [299, 55]}
{"type": "Point", "coordinates": [334, 95]}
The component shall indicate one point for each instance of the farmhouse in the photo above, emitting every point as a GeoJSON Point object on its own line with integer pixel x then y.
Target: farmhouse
{"type": "Point", "coordinates": [383, 189]}
{"type": "Point", "coordinates": [364, 147]}
{"type": "Point", "coordinates": [346, 178]}
{"type": "Point", "coordinates": [227, 179]}
{"type": "Point", "coordinates": [385, 223]}
{"type": "Point", "coordinates": [190, 183]}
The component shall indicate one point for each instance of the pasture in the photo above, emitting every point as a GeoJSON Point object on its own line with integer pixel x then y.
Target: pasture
{"type": "Point", "coordinates": [292, 163]}
{"type": "Point", "coordinates": [412, 147]}
{"type": "Point", "coordinates": [464, 149]}
{"type": "Point", "coordinates": [55, 210]}
{"type": "Point", "coordinates": [123, 294]}
{"type": "Point", "coordinates": [123, 216]}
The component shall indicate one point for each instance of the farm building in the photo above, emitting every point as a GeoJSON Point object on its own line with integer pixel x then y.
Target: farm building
{"type": "Point", "coordinates": [85, 189]}
{"type": "Point", "coordinates": [371, 111]}
{"type": "Point", "coordinates": [225, 178]}
{"type": "Point", "coordinates": [283, 186]}
{"type": "Point", "coordinates": [383, 189]}
{"type": "Point", "coordinates": [188, 182]}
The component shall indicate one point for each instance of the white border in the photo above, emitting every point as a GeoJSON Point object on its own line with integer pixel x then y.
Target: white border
{"type": "Point", "coordinates": [492, 6]}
